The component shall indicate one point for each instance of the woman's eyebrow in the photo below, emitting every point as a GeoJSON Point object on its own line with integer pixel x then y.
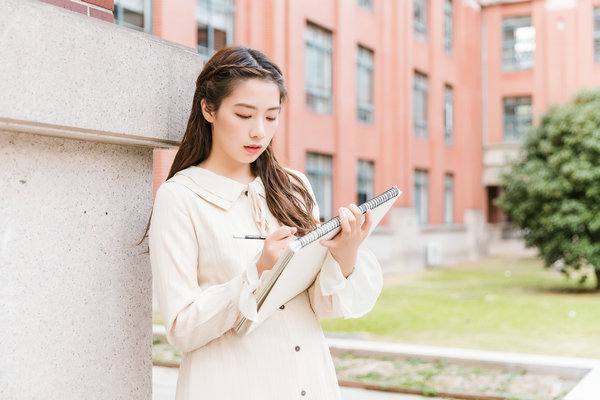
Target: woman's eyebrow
{"type": "Point", "coordinates": [254, 108]}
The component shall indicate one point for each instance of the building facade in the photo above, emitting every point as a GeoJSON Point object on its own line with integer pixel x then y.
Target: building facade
{"type": "Point", "coordinates": [536, 54]}
{"type": "Point", "coordinates": [430, 95]}
{"type": "Point", "coordinates": [371, 102]}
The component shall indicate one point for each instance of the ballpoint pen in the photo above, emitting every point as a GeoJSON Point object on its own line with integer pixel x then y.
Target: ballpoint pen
{"type": "Point", "coordinates": [259, 237]}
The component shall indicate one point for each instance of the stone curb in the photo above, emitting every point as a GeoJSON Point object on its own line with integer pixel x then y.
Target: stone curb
{"type": "Point", "coordinates": [567, 367]}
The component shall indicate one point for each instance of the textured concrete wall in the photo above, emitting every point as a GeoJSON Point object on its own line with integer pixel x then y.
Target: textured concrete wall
{"type": "Point", "coordinates": [66, 74]}
{"type": "Point", "coordinates": [83, 103]}
{"type": "Point", "coordinates": [76, 290]}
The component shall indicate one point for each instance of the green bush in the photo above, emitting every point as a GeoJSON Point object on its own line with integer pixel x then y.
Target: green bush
{"type": "Point", "coordinates": [552, 191]}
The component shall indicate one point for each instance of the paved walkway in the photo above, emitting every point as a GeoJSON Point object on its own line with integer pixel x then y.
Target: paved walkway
{"type": "Point", "coordinates": [164, 380]}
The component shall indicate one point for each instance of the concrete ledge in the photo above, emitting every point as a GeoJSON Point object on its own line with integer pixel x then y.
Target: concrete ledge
{"type": "Point", "coordinates": [443, 228]}
{"type": "Point", "coordinates": [80, 134]}
{"type": "Point", "coordinates": [567, 367]}
{"type": "Point", "coordinates": [68, 75]}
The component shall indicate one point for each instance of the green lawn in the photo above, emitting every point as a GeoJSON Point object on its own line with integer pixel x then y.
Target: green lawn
{"type": "Point", "coordinates": [495, 304]}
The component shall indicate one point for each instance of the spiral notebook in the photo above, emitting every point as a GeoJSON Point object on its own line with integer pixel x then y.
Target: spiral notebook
{"type": "Point", "coordinates": [301, 262]}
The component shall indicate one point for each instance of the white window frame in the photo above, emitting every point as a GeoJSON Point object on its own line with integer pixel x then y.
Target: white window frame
{"type": "Point", "coordinates": [448, 114]}
{"type": "Point", "coordinates": [215, 14]}
{"type": "Point", "coordinates": [517, 50]}
{"type": "Point", "coordinates": [134, 5]}
{"type": "Point", "coordinates": [365, 84]}
{"type": "Point", "coordinates": [448, 27]}
{"type": "Point", "coordinates": [366, 4]}
{"type": "Point", "coordinates": [319, 171]}
{"type": "Point", "coordinates": [420, 11]}
{"type": "Point", "coordinates": [448, 199]}
{"type": "Point", "coordinates": [421, 195]}
{"type": "Point", "coordinates": [420, 100]}
{"type": "Point", "coordinates": [518, 121]}
{"type": "Point", "coordinates": [366, 176]}
{"type": "Point", "coordinates": [318, 68]}
{"type": "Point", "coordinates": [597, 34]}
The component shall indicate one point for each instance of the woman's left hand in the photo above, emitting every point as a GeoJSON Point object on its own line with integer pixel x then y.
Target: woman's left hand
{"type": "Point", "coordinates": [344, 245]}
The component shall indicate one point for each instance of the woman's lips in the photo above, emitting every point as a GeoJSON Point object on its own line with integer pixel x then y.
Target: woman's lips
{"type": "Point", "coordinates": [253, 149]}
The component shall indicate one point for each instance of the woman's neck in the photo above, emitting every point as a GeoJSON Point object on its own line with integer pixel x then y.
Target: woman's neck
{"type": "Point", "coordinates": [241, 173]}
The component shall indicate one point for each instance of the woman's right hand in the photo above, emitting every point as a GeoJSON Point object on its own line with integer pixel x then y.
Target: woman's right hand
{"type": "Point", "coordinates": [274, 246]}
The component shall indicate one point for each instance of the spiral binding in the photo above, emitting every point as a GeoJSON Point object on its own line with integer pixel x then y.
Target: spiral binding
{"type": "Point", "coordinates": [335, 222]}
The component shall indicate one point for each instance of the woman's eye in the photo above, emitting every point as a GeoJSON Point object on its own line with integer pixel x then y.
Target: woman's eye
{"type": "Point", "coordinates": [243, 116]}
{"type": "Point", "coordinates": [272, 118]}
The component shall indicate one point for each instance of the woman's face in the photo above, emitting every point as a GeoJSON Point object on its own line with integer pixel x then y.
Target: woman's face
{"type": "Point", "coordinates": [245, 123]}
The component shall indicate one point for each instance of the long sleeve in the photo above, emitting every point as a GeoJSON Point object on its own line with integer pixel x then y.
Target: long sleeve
{"type": "Point", "coordinates": [193, 314]}
{"type": "Point", "coordinates": [332, 295]}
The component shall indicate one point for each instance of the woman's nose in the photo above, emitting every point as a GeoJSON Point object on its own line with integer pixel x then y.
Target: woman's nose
{"type": "Point", "coordinates": [258, 129]}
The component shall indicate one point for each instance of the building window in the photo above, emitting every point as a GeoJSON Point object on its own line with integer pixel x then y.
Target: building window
{"type": "Point", "coordinates": [365, 181]}
{"type": "Point", "coordinates": [364, 88]}
{"type": "Point", "coordinates": [366, 4]}
{"type": "Point", "coordinates": [448, 114]}
{"type": "Point", "coordinates": [448, 199]}
{"type": "Point", "coordinates": [420, 19]}
{"type": "Point", "coordinates": [597, 34]}
{"type": "Point", "coordinates": [420, 106]}
{"type": "Point", "coordinates": [135, 14]}
{"type": "Point", "coordinates": [215, 20]}
{"type": "Point", "coordinates": [448, 13]}
{"type": "Point", "coordinates": [518, 44]}
{"type": "Point", "coordinates": [318, 69]}
{"type": "Point", "coordinates": [421, 195]}
{"type": "Point", "coordinates": [517, 117]}
{"type": "Point", "coordinates": [319, 173]}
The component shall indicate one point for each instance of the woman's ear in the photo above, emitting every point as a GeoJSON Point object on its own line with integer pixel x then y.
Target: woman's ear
{"type": "Point", "coordinates": [208, 115]}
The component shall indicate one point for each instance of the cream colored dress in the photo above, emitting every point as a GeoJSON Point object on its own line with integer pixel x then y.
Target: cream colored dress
{"type": "Point", "coordinates": [204, 278]}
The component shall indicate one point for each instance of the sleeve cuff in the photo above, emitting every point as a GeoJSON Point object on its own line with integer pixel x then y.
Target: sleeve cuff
{"type": "Point", "coordinates": [251, 282]}
{"type": "Point", "coordinates": [358, 293]}
{"type": "Point", "coordinates": [331, 279]}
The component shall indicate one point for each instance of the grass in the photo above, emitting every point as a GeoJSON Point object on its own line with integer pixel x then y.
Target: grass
{"type": "Point", "coordinates": [496, 304]}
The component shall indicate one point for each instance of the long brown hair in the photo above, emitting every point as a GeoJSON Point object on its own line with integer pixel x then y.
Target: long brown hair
{"type": "Point", "coordinates": [222, 72]}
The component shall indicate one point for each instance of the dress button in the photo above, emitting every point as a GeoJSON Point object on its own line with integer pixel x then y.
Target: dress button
{"type": "Point", "coordinates": [297, 348]}
{"type": "Point", "coordinates": [282, 307]}
{"type": "Point", "coordinates": [303, 393]}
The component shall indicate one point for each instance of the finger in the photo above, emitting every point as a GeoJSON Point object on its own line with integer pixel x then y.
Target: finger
{"type": "Point", "coordinates": [282, 232]}
{"type": "Point", "coordinates": [288, 239]}
{"type": "Point", "coordinates": [355, 210]}
{"type": "Point", "coordinates": [358, 215]}
{"type": "Point", "coordinates": [366, 226]}
{"type": "Point", "coordinates": [344, 220]}
{"type": "Point", "coordinates": [351, 217]}
{"type": "Point", "coordinates": [326, 243]}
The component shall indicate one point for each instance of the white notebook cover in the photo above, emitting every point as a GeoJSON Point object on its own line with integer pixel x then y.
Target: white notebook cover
{"type": "Point", "coordinates": [301, 262]}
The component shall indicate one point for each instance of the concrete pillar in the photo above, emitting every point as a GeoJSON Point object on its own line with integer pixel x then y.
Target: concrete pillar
{"type": "Point", "coordinates": [84, 103]}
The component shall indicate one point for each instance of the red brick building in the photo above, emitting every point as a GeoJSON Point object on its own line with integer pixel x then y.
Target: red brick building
{"type": "Point", "coordinates": [429, 95]}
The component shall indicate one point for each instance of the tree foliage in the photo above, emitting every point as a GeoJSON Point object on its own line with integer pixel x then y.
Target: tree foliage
{"type": "Point", "coordinates": [552, 190]}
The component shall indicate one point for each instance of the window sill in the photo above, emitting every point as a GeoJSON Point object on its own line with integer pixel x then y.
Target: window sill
{"type": "Point", "coordinates": [441, 228]}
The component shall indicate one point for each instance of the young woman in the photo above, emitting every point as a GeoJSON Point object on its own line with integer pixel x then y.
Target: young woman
{"type": "Point", "coordinates": [226, 181]}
